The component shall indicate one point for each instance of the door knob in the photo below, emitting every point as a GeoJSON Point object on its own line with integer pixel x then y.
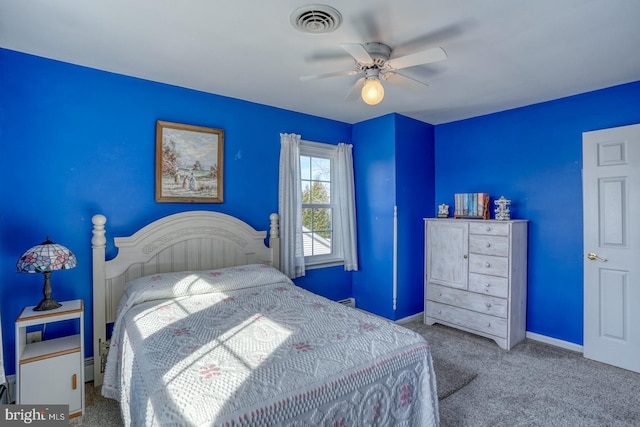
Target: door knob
{"type": "Point", "coordinates": [593, 257]}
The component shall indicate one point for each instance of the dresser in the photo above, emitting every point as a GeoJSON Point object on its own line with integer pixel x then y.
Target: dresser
{"type": "Point", "coordinates": [476, 277]}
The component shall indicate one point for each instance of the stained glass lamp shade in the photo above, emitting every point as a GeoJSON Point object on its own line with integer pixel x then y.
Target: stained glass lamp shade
{"type": "Point", "coordinates": [45, 258]}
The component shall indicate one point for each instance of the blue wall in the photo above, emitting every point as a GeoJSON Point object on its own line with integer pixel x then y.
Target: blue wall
{"type": "Point", "coordinates": [533, 156]}
{"type": "Point", "coordinates": [76, 141]}
{"type": "Point", "coordinates": [375, 181]}
{"type": "Point", "coordinates": [415, 195]}
{"type": "Point", "coordinates": [393, 167]}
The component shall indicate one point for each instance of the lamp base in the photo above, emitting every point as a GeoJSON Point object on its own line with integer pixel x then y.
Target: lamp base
{"type": "Point", "coordinates": [47, 304]}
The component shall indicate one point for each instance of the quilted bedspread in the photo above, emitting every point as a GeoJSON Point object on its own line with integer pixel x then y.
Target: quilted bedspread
{"type": "Point", "coordinates": [245, 346]}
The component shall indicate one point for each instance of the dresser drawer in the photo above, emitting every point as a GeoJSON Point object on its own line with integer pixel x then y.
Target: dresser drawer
{"type": "Point", "coordinates": [489, 285]}
{"type": "Point", "coordinates": [489, 245]}
{"type": "Point", "coordinates": [466, 318]}
{"type": "Point", "coordinates": [489, 228]}
{"type": "Point", "coordinates": [487, 264]}
{"type": "Point", "coordinates": [469, 300]}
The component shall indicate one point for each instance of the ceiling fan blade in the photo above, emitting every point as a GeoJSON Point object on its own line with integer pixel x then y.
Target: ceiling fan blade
{"type": "Point", "coordinates": [404, 81]}
{"type": "Point", "coordinates": [334, 74]}
{"type": "Point", "coordinates": [354, 93]}
{"type": "Point", "coordinates": [423, 57]}
{"type": "Point", "coordinates": [358, 52]}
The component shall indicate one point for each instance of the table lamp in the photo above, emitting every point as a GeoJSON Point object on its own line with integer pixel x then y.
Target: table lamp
{"type": "Point", "coordinates": [45, 258]}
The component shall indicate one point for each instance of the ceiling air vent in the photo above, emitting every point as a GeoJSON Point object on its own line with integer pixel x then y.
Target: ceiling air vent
{"type": "Point", "coordinates": [316, 19]}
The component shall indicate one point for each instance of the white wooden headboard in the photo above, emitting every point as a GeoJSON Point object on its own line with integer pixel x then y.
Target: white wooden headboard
{"type": "Point", "coordinates": [194, 240]}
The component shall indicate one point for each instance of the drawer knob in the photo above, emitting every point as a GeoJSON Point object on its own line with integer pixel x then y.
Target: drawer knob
{"type": "Point", "coordinates": [488, 324]}
{"type": "Point", "coordinates": [486, 264]}
{"type": "Point", "coordinates": [439, 294]}
{"type": "Point", "coordinates": [488, 228]}
{"type": "Point", "coordinates": [439, 311]}
{"type": "Point", "coordinates": [488, 304]}
{"type": "Point", "coordinates": [486, 285]}
{"type": "Point", "coordinates": [488, 244]}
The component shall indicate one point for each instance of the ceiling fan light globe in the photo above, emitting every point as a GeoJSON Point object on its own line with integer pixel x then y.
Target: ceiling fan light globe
{"type": "Point", "coordinates": [372, 92]}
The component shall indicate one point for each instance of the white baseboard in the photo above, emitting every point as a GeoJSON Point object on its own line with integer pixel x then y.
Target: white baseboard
{"type": "Point", "coordinates": [554, 341]}
{"type": "Point", "coordinates": [88, 369]}
{"type": "Point", "coordinates": [349, 302]}
{"type": "Point", "coordinates": [412, 318]}
{"type": "Point", "coordinates": [531, 335]}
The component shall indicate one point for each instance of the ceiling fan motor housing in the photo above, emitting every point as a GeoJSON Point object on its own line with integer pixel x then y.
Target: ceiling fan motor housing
{"type": "Point", "coordinates": [379, 52]}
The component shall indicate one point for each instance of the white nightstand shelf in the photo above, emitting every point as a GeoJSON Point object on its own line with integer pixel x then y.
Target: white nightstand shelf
{"type": "Point", "coordinates": [51, 371]}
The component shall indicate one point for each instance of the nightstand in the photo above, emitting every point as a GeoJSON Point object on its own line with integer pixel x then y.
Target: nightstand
{"type": "Point", "coordinates": [51, 372]}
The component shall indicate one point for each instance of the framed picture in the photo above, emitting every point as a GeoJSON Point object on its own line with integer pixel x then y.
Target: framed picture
{"type": "Point", "coordinates": [189, 163]}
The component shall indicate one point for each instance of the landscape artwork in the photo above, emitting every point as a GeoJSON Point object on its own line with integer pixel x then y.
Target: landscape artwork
{"type": "Point", "coordinates": [188, 163]}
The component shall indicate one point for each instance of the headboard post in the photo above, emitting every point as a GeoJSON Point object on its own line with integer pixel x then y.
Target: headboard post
{"type": "Point", "coordinates": [98, 243]}
{"type": "Point", "coordinates": [274, 240]}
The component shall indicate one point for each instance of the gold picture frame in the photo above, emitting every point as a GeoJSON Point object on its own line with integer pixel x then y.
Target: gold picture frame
{"type": "Point", "coordinates": [189, 163]}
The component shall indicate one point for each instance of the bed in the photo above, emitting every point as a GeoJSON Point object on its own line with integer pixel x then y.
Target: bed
{"type": "Point", "coordinates": [208, 331]}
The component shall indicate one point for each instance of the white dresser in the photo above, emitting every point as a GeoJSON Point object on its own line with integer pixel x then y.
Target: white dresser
{"type": "Point", "coordinates": [476, 277]}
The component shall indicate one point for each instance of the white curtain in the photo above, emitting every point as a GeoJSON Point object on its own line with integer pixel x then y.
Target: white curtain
{"type": "Point", "coordinates": [345, 192]}
{"type": "Point", "coordinates": [290, 207]}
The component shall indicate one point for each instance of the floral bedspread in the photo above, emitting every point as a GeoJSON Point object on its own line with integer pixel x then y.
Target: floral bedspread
{"type": "Point", "coordinates": [245, 346]}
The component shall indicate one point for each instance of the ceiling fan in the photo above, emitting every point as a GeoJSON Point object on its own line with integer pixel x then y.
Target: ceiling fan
{"type": "Point", "coordinates": [375, 62]}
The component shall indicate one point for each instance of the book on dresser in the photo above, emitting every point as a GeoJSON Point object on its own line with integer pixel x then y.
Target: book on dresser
{"type": "Point", "coordinates": [476, 277]}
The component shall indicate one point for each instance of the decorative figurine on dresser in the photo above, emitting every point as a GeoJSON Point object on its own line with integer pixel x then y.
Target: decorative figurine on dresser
{"type": "Point", "coordinates": [476, 277]}
{"type": "Point", "coordinates": [443, 211]}
{"type": "Point", "coordinates": [502, 209]}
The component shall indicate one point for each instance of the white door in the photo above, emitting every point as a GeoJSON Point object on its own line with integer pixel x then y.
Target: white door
{"type": "Point", "coordinates": [611, 197]}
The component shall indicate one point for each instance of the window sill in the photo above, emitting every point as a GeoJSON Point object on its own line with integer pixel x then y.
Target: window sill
{"type": "Point", "coordinates": [312, 265]}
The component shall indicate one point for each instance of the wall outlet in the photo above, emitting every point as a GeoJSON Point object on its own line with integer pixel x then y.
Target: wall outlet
{"type": "Point", "coordinates": [34, 336]}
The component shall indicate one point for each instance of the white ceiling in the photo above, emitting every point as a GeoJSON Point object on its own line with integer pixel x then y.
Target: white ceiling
{"type": "Point", "coordinates": [502, 54]}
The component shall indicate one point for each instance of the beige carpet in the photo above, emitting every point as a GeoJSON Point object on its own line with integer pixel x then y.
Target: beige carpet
{"type": "Point", "coordinates": [533, 384]}
{"type": "Point", "coordinates": [451, 377]}
{"type": "Point", "coordinates": [98, 411]}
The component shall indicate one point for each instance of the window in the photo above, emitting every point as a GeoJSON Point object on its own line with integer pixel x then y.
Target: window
{"type": "Point", "coordinates": [321, 239]}
{"type": "Point", "coordinates": [324, 173]}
